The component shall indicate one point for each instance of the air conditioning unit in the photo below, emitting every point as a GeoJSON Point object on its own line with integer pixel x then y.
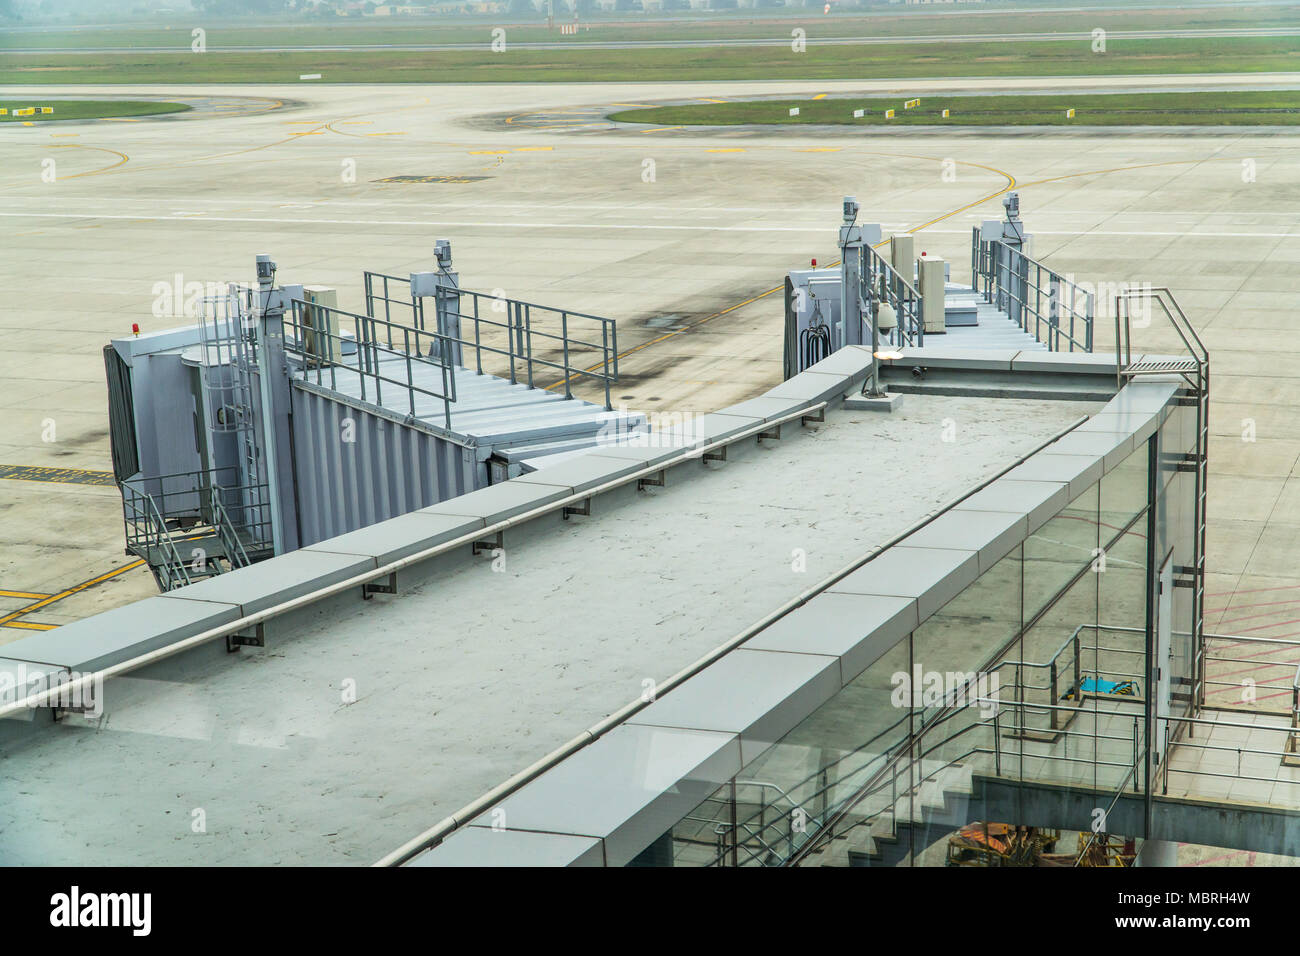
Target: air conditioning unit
{"type": "Point", "coordinates": [320, 343]}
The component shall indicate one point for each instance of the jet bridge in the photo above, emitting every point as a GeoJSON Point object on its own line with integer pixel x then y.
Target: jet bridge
{"type": "Point", "coordinates": [280, 419]}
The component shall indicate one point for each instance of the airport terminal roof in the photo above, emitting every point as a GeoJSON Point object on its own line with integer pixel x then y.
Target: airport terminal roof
{"type": "Point", "coordinates": [360, 723]}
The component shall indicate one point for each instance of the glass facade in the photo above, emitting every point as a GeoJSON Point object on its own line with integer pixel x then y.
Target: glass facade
{"type": "Point", "coordinates": [1016, 719]}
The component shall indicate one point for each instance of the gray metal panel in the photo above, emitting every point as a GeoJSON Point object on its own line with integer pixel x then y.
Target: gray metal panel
{"type": "Point", "coordinates": [498, 502]}
{"type": "Point", "coordinates": [1075, 362]}
{"type": "Point", "coordinates": [1141, 425]}
{"type": "Point", "coordinates": [386, 469]}
{"type": "Point", "coordinates": [1142, 397]}
{"type": "Point", "coordinates": [933, 576]}
{"type": "Point", "coordinates": [856, 628]}
{"type": "Point", "coordinates": [580, 473]}
{"type": "Point", "coordinates": [396, 538]}
{"type": "Point", "coordinates": [717, 426]}
{"type": "Point", "coordinates": [627, 788]}
{"type": "Point", "coordinates": [759, 695]}
{"type": "Point", "coordinates": [1110, 447]}
{"type": "Point", "coordinates": [853, 362]}
{"type": "Point", "coordinates": [271, 582]}
{"type": "Point", "coordinates": [937, 355]}
{"type": "Point", "coordinates": [767, 408]}
{"type": "Point", "coordinates": [992, 534]}
{"type": "Point", "coordinates": [20, 679]}
{"type": "Point", "coordinates": [653, 451]}
{"type": "Point", "coordinates": [813, 386]}
{"type": "Point", "coordinates": [1077, 472]}
{"type": "Point", "coordinates": [122, 633]}
{"type": "Point", "coordinates": [483, 846]}
{"type": "Point", "coordinates": [1038, 500]}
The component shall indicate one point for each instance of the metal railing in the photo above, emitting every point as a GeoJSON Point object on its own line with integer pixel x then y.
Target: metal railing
{"type": "Point", "coordinates": [539, 337]}
{"type": "Point", "coordinates": [888, 760]}
{"type": "Point", "coordinates": [518, 340]}
{"type": "Point", "coordinates": [161, 514]}
{"type": "Point", "coordinates": [406, 358]}
{"type": "Point", "coordinates": [1273, 684]}
{"type": "Point", "coordinates": [147, 536]}
{"type": "Point", "coordinates": [882, 283]}
{"type": "Point", "coordinates": [1047, 305]}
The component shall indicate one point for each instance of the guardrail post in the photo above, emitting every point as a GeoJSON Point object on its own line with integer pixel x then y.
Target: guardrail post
{"type": "Point", "coordinates": [564, 338]}
{"type": "Point", "coordinates": [604, 346]}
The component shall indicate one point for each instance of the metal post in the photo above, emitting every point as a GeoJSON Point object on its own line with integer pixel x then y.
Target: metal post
{"type": "Point", "coordinates": [564, 338]}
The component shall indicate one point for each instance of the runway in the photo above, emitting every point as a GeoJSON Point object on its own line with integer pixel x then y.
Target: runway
{"type": "Point", "coordinates": [682, 235]}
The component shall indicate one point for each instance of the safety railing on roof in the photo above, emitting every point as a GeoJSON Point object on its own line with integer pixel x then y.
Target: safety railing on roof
{"type": "Point", "coordinates": [882, 283]}
{"type": "Point", "coordinates": [409, 361]}
{"type": "Point", "coordinates": [1047, 305]}
{"type": "Point", "coordinates": [577, 346]}
{"type": "Point", "coordinates": [520, 341]}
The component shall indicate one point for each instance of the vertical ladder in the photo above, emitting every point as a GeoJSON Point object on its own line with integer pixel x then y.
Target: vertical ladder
{"type": "Point", "coordinates": [230, 361]}
{"type": "Point", "coordinates": [1195, 372]}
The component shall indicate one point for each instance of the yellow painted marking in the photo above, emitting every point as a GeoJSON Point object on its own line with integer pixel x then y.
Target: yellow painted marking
{"type": "Point", "coordinates": [30, 625]}
{"type": "Point", "coordinates": [56, 135]}
{"type": "Point", "coordinates": [662, 129]}
{"type": "Point", "coordinates": [707, 99]}
{"type": "Point", "coordinates": [820, 149]}
{"type": "Point", "coordinates": [724, 150]}
{"type": "Point", "coordinates": [309, 132]}
{"type": "Point", "coordinates": [94, 172]}
{"type": "Point", "coordinates": [820, 96]}
{"type": "Point", "coordinates": [533, 149]}
{"type": "Point", "coordinates": [45, 602]}
{"type": "Point", "coordinates": [489, 152]}
{"type": "Point", "coordinates": [26, 595]}
{"type": "Point", "coordinates": [28, 123]}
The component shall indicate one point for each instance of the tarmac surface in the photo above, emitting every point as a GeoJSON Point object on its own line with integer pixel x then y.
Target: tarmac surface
{"type": "Point", "coordinates": [681, 234]}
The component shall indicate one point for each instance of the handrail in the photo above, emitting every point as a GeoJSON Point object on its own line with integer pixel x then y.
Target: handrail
{"type": "Point", "coordinates": [1023, 287]}
{"type": "Point", "coordinates": [522, 331]}
{"type": "Point", "coordinates": [235, 552]}
{"type": "Point", "coordinates": [1177, 318]}
{"type": "Point", "coordinates": [155, 536]}
{"type": "Point", "coordinates": [884, 284]}
{"type": "Point", "coordinates": [404, 349]}
{"type": "Point", "coordinates": [523, 327]}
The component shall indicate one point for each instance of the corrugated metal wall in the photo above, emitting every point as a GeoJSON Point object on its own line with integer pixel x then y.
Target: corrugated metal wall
{"type": "Point", "coordinates": [353, 468]}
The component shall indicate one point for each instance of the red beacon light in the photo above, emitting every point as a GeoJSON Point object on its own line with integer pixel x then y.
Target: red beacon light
{"type": "Point", "coordinates": [135, 328]}
{"type": "Point", "coordinates": [814, 263]}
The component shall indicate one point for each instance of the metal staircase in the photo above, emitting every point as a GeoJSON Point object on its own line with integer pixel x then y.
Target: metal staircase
{"type": "Point", "coordinates": [182, 528]}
